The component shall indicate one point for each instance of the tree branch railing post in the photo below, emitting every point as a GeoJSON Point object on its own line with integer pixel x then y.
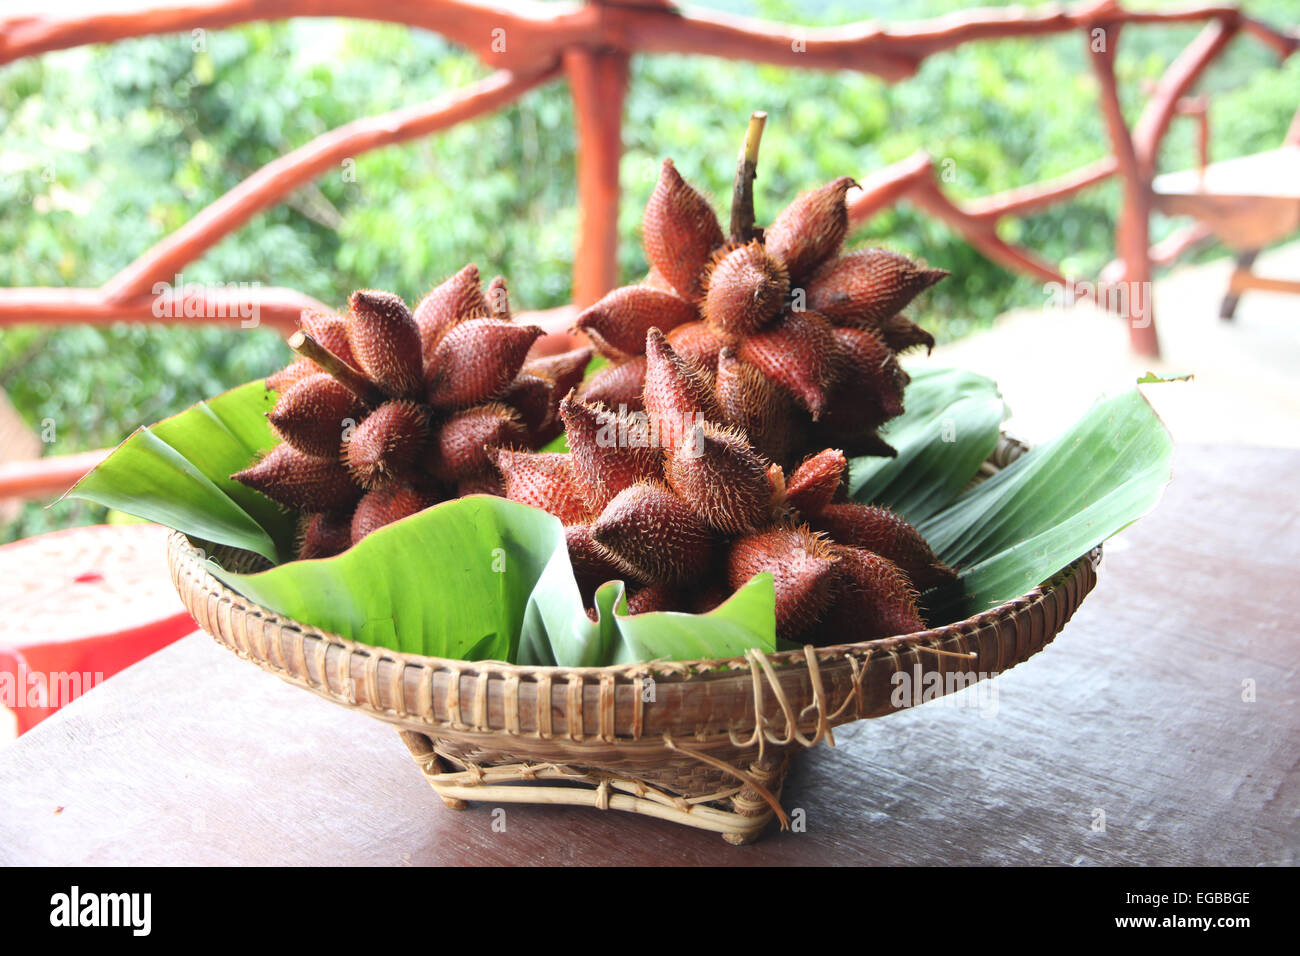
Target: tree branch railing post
{"type": "Point", "coordinates": [598, 82]}
{"type": "Point", "coordinates": [1132, 234]}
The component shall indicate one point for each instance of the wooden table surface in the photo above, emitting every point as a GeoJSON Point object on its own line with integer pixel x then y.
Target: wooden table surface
{"type": "Point", "coordinates": [1137, 712]}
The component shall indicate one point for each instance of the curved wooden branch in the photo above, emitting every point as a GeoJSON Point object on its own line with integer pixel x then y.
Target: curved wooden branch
{"type": "Point", "coordinates": [46, 477]}
{"type": "Point", "coordinates": [282, 176]}
{"type": "Point", "coordinates": [251, 307]}
{"type": "Point", "coordinates": [981, 234]}
{"type": "Point", "coordinates": [1173, 86]}
{"type": "Point", "coordinates": [886, 186]}
{"type": "Point", "coordinates": [1024, 200]}
{"type": "Point", "coordinates": [527, 35]}
{"type": "Point", "coordinates": [522, 34]}
{"type": "Point", "coordinates": [913, 179]}
{"type": "Point", "coordinates": [1133, 231]}
{"type": "Point", "coordinates": [1163, 253]}
{"type": "Point", "coordinates": [1283, 43]}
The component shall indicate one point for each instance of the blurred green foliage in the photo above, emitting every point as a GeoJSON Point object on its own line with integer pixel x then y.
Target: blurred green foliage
{"type": "Point", "coordinates": [108, 149]}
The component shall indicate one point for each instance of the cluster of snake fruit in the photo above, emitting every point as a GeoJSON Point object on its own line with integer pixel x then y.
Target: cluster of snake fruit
{"type": "Point", "coordinates": [685, 510]}
{"type": "Point", "coordinates": [742, 374]}
{"type": "Point", "coordinates": [801, 339]}
{"type": "Point", "coordinates": [389, 411]}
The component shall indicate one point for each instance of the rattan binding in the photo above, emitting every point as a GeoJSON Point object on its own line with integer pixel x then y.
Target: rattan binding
{"type": "Point", "coordinates": [674, 740]}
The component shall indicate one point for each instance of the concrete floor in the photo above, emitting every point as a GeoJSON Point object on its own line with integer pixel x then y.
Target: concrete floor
{"type": "Point", "coordinates": [1052, 363]}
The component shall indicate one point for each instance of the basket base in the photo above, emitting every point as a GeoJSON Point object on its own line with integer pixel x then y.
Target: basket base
{"type": "Point", "coordinates": [740, 813]}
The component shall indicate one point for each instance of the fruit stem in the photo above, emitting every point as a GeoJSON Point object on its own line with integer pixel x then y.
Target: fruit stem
{"type": "Point", "coordinates": [343, 373]}
{"type": "Point", "coordinates": [742, 194]}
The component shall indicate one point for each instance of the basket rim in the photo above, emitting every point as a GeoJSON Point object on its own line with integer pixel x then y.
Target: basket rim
{"type": "Point", "coordinates": [182, 549]}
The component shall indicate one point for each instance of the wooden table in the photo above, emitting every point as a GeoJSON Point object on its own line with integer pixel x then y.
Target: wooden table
{"type": "Point", "coordinates": [1136, 711]}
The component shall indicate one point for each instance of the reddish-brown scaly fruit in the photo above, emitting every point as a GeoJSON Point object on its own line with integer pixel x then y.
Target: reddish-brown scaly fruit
{"type": "Point", "coordinates": [796, 353]}
{"type": "Point", "coordinates": [617, 386]}
{"type": "Point", "coordinates": [618, 323]}
{"type": "Point", "coordinates": [383, 506]}
{"type": "Point", "coordinates": [476, 360]}
{"type": "Point", "coordinates": [748, 400]}
{"type": "Point", "coordinates": [885, 533]}
{"type": "Point", "coordinates": [869, 382]}
{"type": "Point", "coordinates": [386, 342]}
{"type": "Point", "coordinates": [694, 342]}
{"type": "Point", "coordinates": [814, 483]}
{"type": "Point", "coordinates": [397, 439]}
{"type": "Point", "coordinates": [593, 563]}
{"type": "Point", "coordinates": [531, 397]}
{"type": "Point", "coordinates": [312, 414]}
{"type": "Point", "coordinates": [679, 233]}
{"type": "Point", "coordinates": [746, 292]}
{"type": "Point", "coordinates": [901, 333]}
{"type": "Point", "coordinates": [297, 480]}
{"type": "Point", "coordinates": [756, 291]}
{"type": "Point", "coordinates": [868, 287]}
{"type": "Point", "coordinates": [455, 300]}
{"type": "Point", "coordinates": [331, 331]}
{"type": "Point", "coordinates": [324, 535]}
{"type": "Point", "coordinates": [610, 452]}
{"type": "Point", "coordinates": [655, 281]}
{"type": "Point", "coordinates": [481, 484]}
{"type": "Point", "coordinates": [388, 445]}
{"type": "Point", "coordinates": [292, 373]}
{"type": "Point", "coordinates": [802, 569]}
{"type": "Point", "coordinates": [874, 598]}
{"type": "Point", "coordinates": [677, 395]}
{"type": "Point", "coordinates": [810, 230]}
{"type": "Point", "coordinates": [654, 531]}
{"type": "Point", "coordinates": [543, 480]}
{"type": "Point", "coordinates": [652, 597]}
{"type": "Point", "coordinates": [723, 480]}
{"type": "Point", "coordinates": [459, 452]}
{"type": "Point", "coordinates": [564, 371]}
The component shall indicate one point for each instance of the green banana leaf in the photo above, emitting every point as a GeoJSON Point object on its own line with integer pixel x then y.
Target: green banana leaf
{"type": "Point", "coordinates": [951, 424]}
{"type": "Point", "coordinates": [452, 581]}
{"type": "Point", "coordinates": [558, 630]}
{"type": "Point", "coordinates": [176, 472]}
{"type": "Point", "coordinates": [1010, 533]}
{"type": "Point", "coordinates": [484, 578]}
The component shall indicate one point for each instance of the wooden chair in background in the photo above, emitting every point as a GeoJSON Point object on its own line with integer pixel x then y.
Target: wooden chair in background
{"type": "Point", "coordinates": [1247, 203]}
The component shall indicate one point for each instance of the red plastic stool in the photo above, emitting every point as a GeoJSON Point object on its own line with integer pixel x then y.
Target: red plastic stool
{"type": "Point", "coordinates": [80, 605]}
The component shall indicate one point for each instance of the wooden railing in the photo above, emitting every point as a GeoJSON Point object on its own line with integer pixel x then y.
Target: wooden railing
{"type": "Point", "coordinates": [529, 44]}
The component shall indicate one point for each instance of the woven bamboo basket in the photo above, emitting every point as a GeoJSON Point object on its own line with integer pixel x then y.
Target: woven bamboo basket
{"type": "Point", "coordinates": [702, 743]}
